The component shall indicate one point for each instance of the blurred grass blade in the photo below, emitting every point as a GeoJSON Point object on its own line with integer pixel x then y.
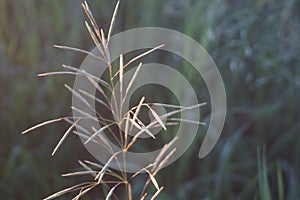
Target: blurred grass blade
{"type": "Point", "coordinates": [111, 191]}
{"type": "Point", "coordinates": [153, 180]}
{"type": "Point", "coordinates": [104, 141]}
{"type": "Point", "coordinates": [163, 151]}
{"type": "Point", "coordinates": [157, 193]}
{"type": "Point", "coordinates": [121, 84]}
{"type": "Point", "coordinates": [78, 173]}
{"type": "Point", "coordinates": [137, 110]}
{"type": "Point", "coordinates": [85, 136]}
{"type": "Point", "coordinates": [112, 22]}
{"type": "Point", "coordinates": [280, 183]}
{"type": "Point", "coordinates": [263, 182]}
{"type": "Point", "coordinates": [42, 124]}
{"type": "Point", "coordinates": [89, 13]}
{"type": "Point", "coordinates": [58, 73]}
{"type": "Point", "coordinates": [142, 127]}
{"type": "Point", "coordinates": [143, 54]}
{"type": "Point", "coordinates": [187, 121]}
{"type": "Point", "coordinates": [84, 191]}
{"type": "Point", "coordinates": [95, 39]}
{"type": "Point", "coordinates": [93, 97]}
{"type": "Point", "coordinates": [156, 116]}
{"type": "Point", "coordinates": [144, 196]}
{"type": "Point", "coordinates": [88, 75]}
{"type": "Point", "coordinates": [132, 81]}
{"type": "Point", "coordinates": [98, 132]}
{"type": "Point", "coordinates": [67, 190]}
{"type": "Point", "coordinates": [78, 50]}
{"type": "Point", "coordinates": [79, 96]}
{"type": "Point", "coordinates": [164, 116]}
{"type": "Point", "coordinates": [64, 137]}
{"type": "Point", "coordinates": [141, 170]}
{"type": "Point", "coordinates": [140, 56]}
{"type": "Point", "coordinates": [104, 169]}
{"type": "Point", "coordinates": [87, 115]}
{"type": "Point", "coordinates": [164, 161]}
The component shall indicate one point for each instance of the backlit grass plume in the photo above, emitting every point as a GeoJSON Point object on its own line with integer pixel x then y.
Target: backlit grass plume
{"type": "Point", "coordinates": [102, 174]}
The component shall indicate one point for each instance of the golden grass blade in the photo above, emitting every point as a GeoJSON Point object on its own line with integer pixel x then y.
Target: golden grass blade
{"type": "Point", "coordinates": [140, 56]}
{"type": "Point", "coordinates": [167, 105]}
{"type": "Point", "coordinates": [143, 54]}
{"type": "Point", "coordinates": [111, 191]}
{"type": "Point", "coordinates": [142, 125]}
{"type": "Point", "coordinates": [85, 137]}
{"type": "Point", "coordinates": [126, 130]}
{"type": "Point", "coordinates": [104, 169]}
{"type": "Point", "coordinates": [166, 124]}
{"type": "Point", "coordinates": [164, 116]}
{"type": "Point", "coordinates": [67, 190]}
{"type": "Point", "coordinates": [87, 168]}
{"type": "Point", "coordinates": [95, 40]}
{"type": "Point", "coordinates": [64, 137]}
{"type": "Point", "coordinates": [88, 75]}
{"type": "Point", "coordinates": [78, 50]}
{"type": "Point", "coordinates": [84, 113]}
{"type": "Point", "coordinates": [108, 170]}
{"type": "Point", "coordinates": [153, 180]}
{"type": "Point", "coordinates": [107, 56]}
{"type": "Point", "coordinates": [57, 73]}
{"type": "Point", "coordinates": [187, 121]}
{"type": "Point", "coordinates": [156, 116]}
{"type": "Point", "coordinates": [79, 193]}
{"type": "Point", "coordinates": [83, 100]}
{"type": "Point", "coordinates": [98, 132]}
{"type": "Point", "coordinates": [163, 151]}
{"type": "Point", "coordinates": [121, 83]}
{"type": "Point", "coordinates": [94, 98]}
{"type": "Point", "coordinates": [77, 126]}
{"type": "Point", "coordinates": [103, 38]}
{"type": "Point", "coordinates": [112, 22]}
{"type": "Point", "coordinates": [138, 108]}
{"type": "Point", "coordinates": [78, 173]}
{"type": "Point", "coordinates": [91, 17]}
{"type": "Point", "coordinates": [82, 192]}
{"type": "Point", "coordinates": [43, 124]}
{"type": "Point", "coordinates": [135, 138]}
{"type": "Point", "coordinates": [95, 84]}
{"type": "Point", "coordinates": [131, 81]}
{"type": "Point", "coordinates": [135, 124]}
{"type": "Point", "coordinates": [93, 164]}
{"type": "Point", "coordinates": [144, 196]}
{"type": "Point", "coordinates": [177, 106]}
{"type": "Point", "coordinates": [157, 193]}
{"type": "Point", "coordinates": [141, 170]}
{"type": "Point", "coordinates": [104, 141]}
{"type": "Point", "coordinates": [164, 161]}
{"type": "Point", "coordinates": [129, 191]}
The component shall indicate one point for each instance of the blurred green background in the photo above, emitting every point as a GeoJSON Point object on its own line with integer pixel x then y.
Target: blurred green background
{"type": "Point", "coordinates": [255, 44]}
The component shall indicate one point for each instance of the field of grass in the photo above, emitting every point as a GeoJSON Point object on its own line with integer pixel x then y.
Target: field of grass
{"type": "Point", "coordinates": [255, 45]}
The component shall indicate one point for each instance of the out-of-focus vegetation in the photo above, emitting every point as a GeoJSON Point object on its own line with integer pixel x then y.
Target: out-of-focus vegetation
{"type": "Point", "coordinates": [255, 44]}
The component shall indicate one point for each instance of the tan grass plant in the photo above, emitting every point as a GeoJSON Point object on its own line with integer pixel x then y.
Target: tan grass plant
{"type": "Point", "coordinates": [102, 174]}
